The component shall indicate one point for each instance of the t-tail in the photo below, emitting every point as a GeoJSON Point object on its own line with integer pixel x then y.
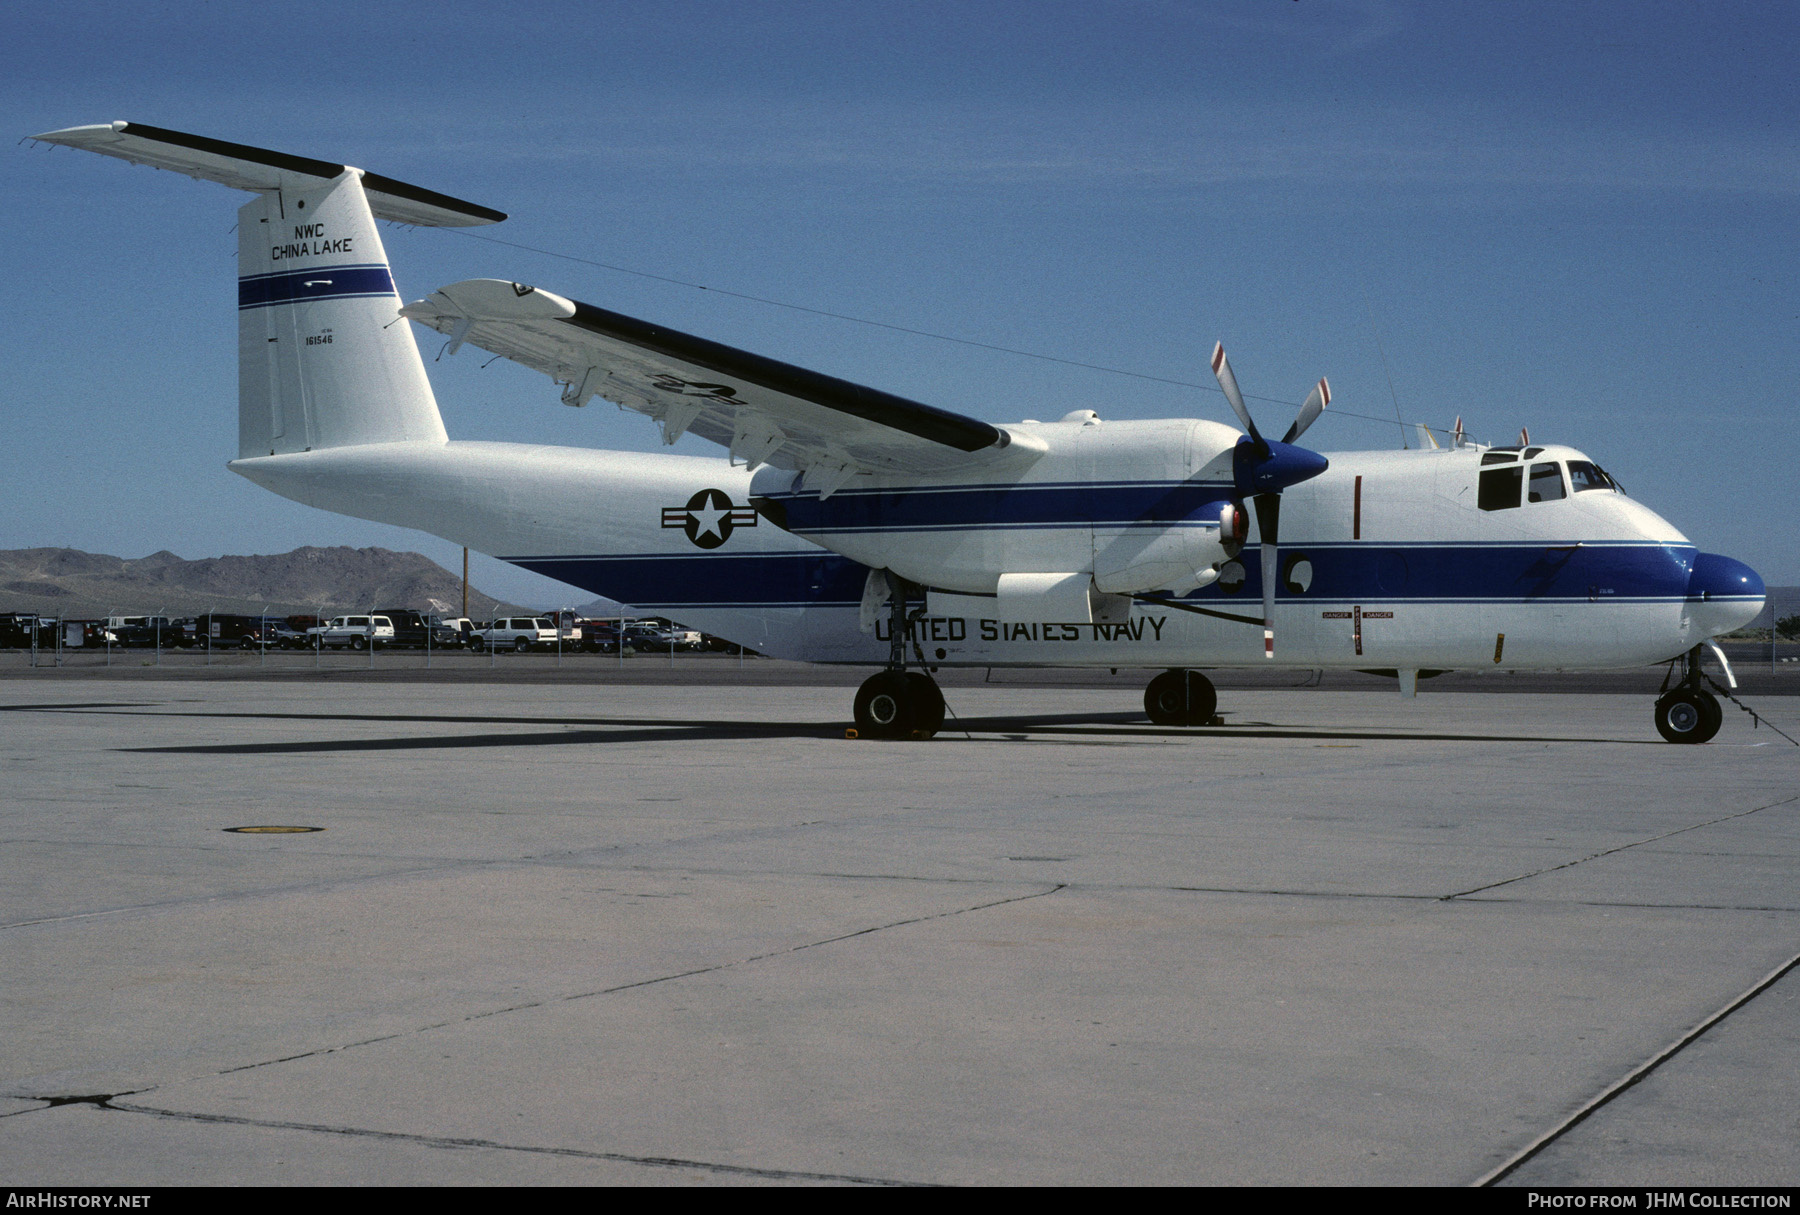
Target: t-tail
{"type": "Point", "coordinates": [323, 358]}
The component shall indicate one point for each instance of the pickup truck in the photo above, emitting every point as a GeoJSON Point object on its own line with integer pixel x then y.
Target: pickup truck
{"type": "Point", "coordinates": [353, 632]}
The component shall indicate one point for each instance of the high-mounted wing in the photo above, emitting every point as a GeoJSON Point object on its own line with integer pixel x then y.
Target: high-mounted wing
{"type": "Point", "coordinates": [764, 411]}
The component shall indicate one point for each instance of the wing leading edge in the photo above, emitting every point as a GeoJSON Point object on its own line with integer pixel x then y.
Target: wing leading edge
{"type": "Point", "coordinates": [763, 410]}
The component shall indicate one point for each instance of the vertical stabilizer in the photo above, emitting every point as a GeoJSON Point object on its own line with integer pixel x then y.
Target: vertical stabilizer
{"type": "Point", "coordinates": [324, 359]}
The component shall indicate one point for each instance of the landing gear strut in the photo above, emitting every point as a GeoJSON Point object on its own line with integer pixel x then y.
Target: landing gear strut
{"type": "Point", "coordinates": [1688, 713]}
{"type": "Point", "coordinates": [1180, 698]}
{"type": "Point", "coordinates": [898, 703]}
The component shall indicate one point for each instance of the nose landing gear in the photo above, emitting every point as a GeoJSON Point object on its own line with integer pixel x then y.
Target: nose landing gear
{"type": "Point", "coordinates": [1688, 713]}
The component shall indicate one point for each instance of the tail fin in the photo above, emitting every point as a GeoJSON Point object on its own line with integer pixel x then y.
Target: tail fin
{"type": "Point", "coordinates": [324, 359]}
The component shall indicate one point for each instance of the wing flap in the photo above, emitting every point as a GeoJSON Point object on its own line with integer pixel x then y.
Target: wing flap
{"type": "Point", "coordinates": [763, 410]}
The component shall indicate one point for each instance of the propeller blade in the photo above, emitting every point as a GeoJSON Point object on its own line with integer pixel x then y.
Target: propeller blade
{"type": "Point", "coordinates": [1228, 382]}
{"type": "Point", "coordinates": [1524, 437]}
{"type": "Point", "coordinates": [1268, 522]}
{"type": "Point", "coordinates": [1316, 401]}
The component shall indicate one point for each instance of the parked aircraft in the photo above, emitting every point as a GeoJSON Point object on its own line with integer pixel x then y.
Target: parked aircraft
{"type": "Point", "coordinates": [850, 525]}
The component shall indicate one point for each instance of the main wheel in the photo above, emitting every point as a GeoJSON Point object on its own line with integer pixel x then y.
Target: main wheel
{"type": "Point", "coordinates": [927, 704]}
{"type": "Point", "coordinates": [885, 705]}
{"type": "Point", "coordinates": [1687, 716]}
{"type": "Point", "coordinates": [1180, 698]}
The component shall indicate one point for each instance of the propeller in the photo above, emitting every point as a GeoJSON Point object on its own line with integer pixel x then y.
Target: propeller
{"type": "Point", "coordinates": [1261, 469]}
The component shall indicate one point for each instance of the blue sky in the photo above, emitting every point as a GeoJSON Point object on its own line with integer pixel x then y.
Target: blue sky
{"type": "Point", "coordinates": [1579, 218]}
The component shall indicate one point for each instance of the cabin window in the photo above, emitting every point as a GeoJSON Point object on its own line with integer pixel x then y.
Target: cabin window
{"type": "Point", "coordinates": [1501, 487]}
{"type": "Point", "coordinates": [1231, 577]}
{"type": "Point", "coordinates": [1585, 476]}
{"type": "Point", "coordinates": [1297, 573]}
{"type": "Point", "coordinates": [1546, 483]}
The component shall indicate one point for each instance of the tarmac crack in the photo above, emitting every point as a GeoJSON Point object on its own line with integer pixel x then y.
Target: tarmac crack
{"type": "Point", "coordinates": [1655, 839]}
{"type": "Point", "coordinates": [1606, 1095]}
{"type": "Point", "coordinates": [100, 1101]}
{"type": "Point", "coordinates": [651, 982]}
{"type": "Point", "coordinates": [449, 1141]}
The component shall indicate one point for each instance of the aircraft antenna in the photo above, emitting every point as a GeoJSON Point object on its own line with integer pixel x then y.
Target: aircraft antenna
{"type": "Point", "coordinates": [1386, 370]}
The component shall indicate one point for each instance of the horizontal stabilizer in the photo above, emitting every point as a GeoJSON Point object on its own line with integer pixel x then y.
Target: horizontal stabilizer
{"type": "Point", "coordinates": [262, 171]}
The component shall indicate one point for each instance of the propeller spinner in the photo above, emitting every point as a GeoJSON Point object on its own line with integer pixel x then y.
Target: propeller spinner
{"type": "Point", "coordinates": [1262, 468]}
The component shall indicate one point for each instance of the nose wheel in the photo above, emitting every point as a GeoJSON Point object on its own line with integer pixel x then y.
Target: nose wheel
{"type": "Point", "coordinates": [1688, 713]}
{"type": "Point", "coordinates": [1180, 698]}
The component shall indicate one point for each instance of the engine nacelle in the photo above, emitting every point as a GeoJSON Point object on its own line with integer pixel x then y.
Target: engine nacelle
{"type": "Point", "coordinates": [1178, 559]}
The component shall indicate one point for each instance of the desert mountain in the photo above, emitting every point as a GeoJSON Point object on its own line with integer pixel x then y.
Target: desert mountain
{"type": "Point", "coordinates": [68, 582]}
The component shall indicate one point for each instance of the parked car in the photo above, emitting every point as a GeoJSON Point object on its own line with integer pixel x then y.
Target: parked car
{"type": "Point", "coordinates": [142, 631]}
{"type": "Point", "coordinates": [600, 636]}
{"type": "Point", "coordinates": [221, 630]}
{"type": "Point", "coordinates": [282, 635]}
{"type": "Point", "coordinates": [519, 633]}
{"type": "Point", "coordinates": [569, 626]}
{"type": "Point", "coordinates": [647, 635]}
{"type": "Point", "coordinates": [353, 632]}
{"type": "Point", "coordinates": [415, 630]}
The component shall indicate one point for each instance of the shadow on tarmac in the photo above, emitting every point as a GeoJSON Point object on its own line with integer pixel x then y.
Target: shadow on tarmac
{"type": "Point", "coordinates": [1120, 728]}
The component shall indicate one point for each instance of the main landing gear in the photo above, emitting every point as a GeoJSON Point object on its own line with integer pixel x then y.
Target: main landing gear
{"type": "Point", "coordinates": [1180, 698]}
{"type": "Point", "coordinates": [898, 703]}
{"type": "Point", "coordinates": [1688, 713]}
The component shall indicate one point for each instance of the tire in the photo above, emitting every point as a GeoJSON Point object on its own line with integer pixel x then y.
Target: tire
{"type": "Point", "coordinates": [884, 706]}
{"type": "Point", "coordinates": [1715, 713]}
{"type": "Point", "coordinates": [359, 643]}
{"type": "Point", "coordinates": [1685, 716]}
{"type": "Point", "coordinates": [927, 704]}
{"type": "Point", "coordinates": [521, 645]}
{"type": "Point", "coordinates": [1180, 698]}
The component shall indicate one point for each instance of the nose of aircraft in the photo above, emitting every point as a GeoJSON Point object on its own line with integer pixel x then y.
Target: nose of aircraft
{"type": "Point", "coordinates": [1723, 594]}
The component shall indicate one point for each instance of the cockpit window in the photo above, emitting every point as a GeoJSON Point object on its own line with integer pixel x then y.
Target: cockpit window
{"type": "Point", "coordinates": [1546, 483]}
{"type": "Point", "coordinates": [1500, 455]}
{"type": "Point", "coordinates": [1584, 476]}
{"type": "Point", "coordinates": [1500, 487]}
{"type": "Point", "coordinates": [1530, 452]}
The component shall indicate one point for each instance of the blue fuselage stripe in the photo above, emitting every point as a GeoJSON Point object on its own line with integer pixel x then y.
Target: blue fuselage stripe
{"type": "Point", "coordinates": [1341, 574]}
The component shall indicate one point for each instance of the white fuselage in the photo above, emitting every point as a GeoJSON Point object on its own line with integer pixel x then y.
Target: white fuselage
{"type": "Point", "coordinates": [1403, 568]}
